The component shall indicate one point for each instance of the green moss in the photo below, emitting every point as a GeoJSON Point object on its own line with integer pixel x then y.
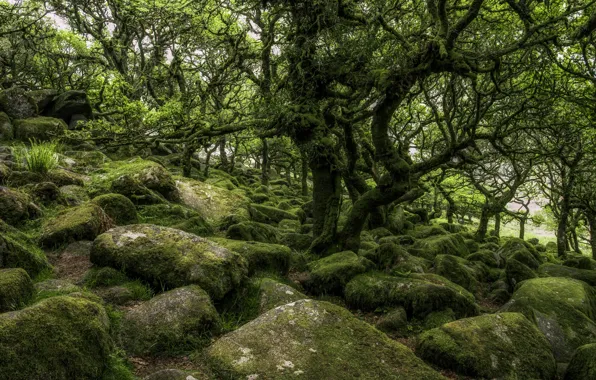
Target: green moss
{"type": "Point", "coordinates": [330, 344]}
{"type": "Point", "coordinates": [330, 275]}
{"type": "Point", "coordinates": [17, 251]}
{"type": "Point", "coordinates": [457, 270]}
{"type": "Point", "coordinates": [104, 276]}
{"type": "Point", "coordinates": [419, 294]}
{"type": "Point", "coordinates": [166, 257]}
{"type": "Point", "coordinates": [517, 272]}
{"type": "Point", "coordinates": [390, 256]}
{"type": "Point", "coordinates": [563, 309]}
{"type": "Point", "coordinates": [74, 195]}
{"type": "Point", "coordinates": [298, 242]}
{"type": "Point", "coordinates": [16, 289]}
{"type": "Point", "coordinates": [119, 208]}
{"type": "Point", "coordinates": [253, 231]}
{"type": "Point", "coordinates": [62, 177]}
{"type": "Point", "coordinates": [265, 257]}
{"type": "Point", "coordinates": [61, 337]}
{"type": "Point", "coordinates": [504, 346]}
{"type": "Point", "coordinates": [395, 321]}
{"type": "Point", "coordinates": [16, 206]}
{"type": "Point", "coordinates": [289, 224]}
{"type": "Point", "coordinates": [271, 215]}
{"type": "Point", "coordinates": [423, 232]}
{"type": "Point", "coordinates": [54, 287]}
{"type": "Point", "coordinates": [552, 270]}
{"type": "Point", "coordinates": [39, 128]}
{"type": "Point", "coordinates": [487, 257]}
{"type": "Point", "coordinates": [173, 321]}
{"type": "Point", "coordinates": [150, 174]}
{"type": "Point", "coordinates": [438, 318]}
{"type": "Point", "coordinates": [451, 244]}
{"type": "Point", "coordinates": [83, 222]}
{"type": "Point", "coordinates": [583, 363]}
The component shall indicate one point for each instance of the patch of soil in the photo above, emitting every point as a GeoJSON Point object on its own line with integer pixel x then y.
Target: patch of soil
{"type": "Point", "coordinates": [144, 366]}
{"type": "Point", "coordinates": [72, 262]}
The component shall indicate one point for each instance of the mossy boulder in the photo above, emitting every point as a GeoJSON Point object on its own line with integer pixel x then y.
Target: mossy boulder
{"type": "Point", "coordinates": [487, 257]}
{"type": "Point", "coordinates": [45, 193]}
{"type": "Point", "coordinates": [6, 129]}
{"type": "Point", "coordinates": [553, 270]}
{"type": "Point", "coordinates": [17, 251]}
{"type": "Point", "coordinates": [266, 257]}
{"type": "Point", "coordinates": [253, 231]}
{"type": "Point", "coordinates": [63, 177]}
{"type": "Point", "coordinates": [16, 206]}
{"type": "Point", "coordinates": [166, 257]}
{"type": "Point", "coordinates": [423, 232]}
{"type": "Point", "coordinates": [176, 216]}
{"type": "Point", "coordinates": [83, 222]}
{"type": "Point", "coordinates": [449, 244]}
{"type": "Point", "coordinates": [563, 309]}
{"type": "Point", "coordinates": [521, 251]}
{"type": "Point", "coordinates": [298, 242]}
{"type": "Point", "coordinates": [16, 289]}
{"type": "Point", "coordinates": [118, 207]}
{"type": "Point", "coordinates": [459, 271]}
{"type": "Point", "coordinates": [134, 189]}
{"type": "Point", "coordinates": [149, 174]}
{"type": "Point", "coordinates": [503, 346]}
{"type": "Point", "coordinates": [270, 215]}
{"type": "Point", "coordinates": [74, 195]}
{"type": "Point", "coordinates": [5, 172]}
{"type": "Point", "coordinates": [330, 274]}
{"type": "Point", "coordinates": [395, 321]}
{"type": "Point", "coordinates": [87, 161]}
{"type": "Point", "coordinates": [313, 340]}
{"type": "Point", "coordinates": [419, 294]}
{"type": "Point", "coordinates": [54, 287]}
{"type": "Point", "coordinates": [17, 104]}
{"type": "Point", "coordinates": [39, 128]}
{"type": "Point", "coordinates": [273, 293]}
{"type": "Point", "coordinates": [390, 256]}
{"type": "Point", "coordinates": [171, 321]}
{"type": "Point", "coordinates": [438, 319]}
{"type": "Point", "coordinates": [516, 272]}
{"type": "Point", "coordinates": [583, 363]}
{"type": "Point", "coordinates": [212, 202]}
{"type": "Point", "coordinates": [58, 338]}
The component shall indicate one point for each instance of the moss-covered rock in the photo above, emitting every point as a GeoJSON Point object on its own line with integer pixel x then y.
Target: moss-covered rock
{"type": "Point", "coordinates": [54, 287]}
{"type": "Point", "coordinates": [127, 174]}
{"type": "Point", "coordinates": [521, 251]}
{"type": "Point", "coordinates": [134, 189]}
{"type": "Point", "coordinates": [6, 129]}
{"type": "Point", "coordinates": [253, 231]}
{"type": "Point", "coordinates": [166, 257]}
{"type": "Point", "coordinates": [45, 193]}
{"type": "Point", "coordinates": [83, 222]}
{"type": "Point", "coordinates": [74, 195]}
{"type": "Point", "coordinates": [57, 338]}
{"type": "Point", "coordinates": [516, 272]}
{"type": "Point", "coordinates": [488, 257]}
{"type": "Point", "coordinates": [16, 206]}
{"type": "Point", "coordinates": [419, 294]}
{"type": "Point", "coordinates": [583, 364]}
{"type": "Point", "coordinates": [298, 242]}
{"type": "Point", "coordinates": [580, 262]}
{"type": "Point", "coordinates": [395, 321]}
{"type": "Point", "coordinates": [459, 271]}
{"type": "Point", "coordinates": [438, 319]}
{"type": "Point", "coordinates": [176, 216]}
{"type": "Point", "coordinates": [39, 128]}
{"type": "Point", "coordinates": [5, 172]}
{"type": "Point", "coordinates": [17, 104]}
{"type": "Point", "coordinates": [273, 293]}
{"type": "Point", "coordinates": [17, 251]}
{"type": "Point", "coordinates": [63, 177]}
{"type": "Point", "coordinates": [330, 274]}
{"type": "Point", "coordinates": [313, 340]}
{"type": "Point", "coordinates": [552, 270]}
{"type": "Point", "coordinates": [265, 257]}
{"type": "Point", "coordinates": [450, 244]}
{"type": "Point", "coordinates": [270, 215]}
{"type": "Point", "coordinates": [171, 321]}
{"type": "Point", "coordinates": [87, 161]}
{"type": "Point", "coordinates": [503, 346]}
{"type": "Point", "coordinates": [119, 208]}
{"type": "Point", "coordinates": [390, 256]}
{"type": "Point", "coordinates": [16, 289]}
{"type": "Point", "coordinates": [212, 202]}
{"type": "Point", "coordinates": [563, 309]}
{"type": "Point", "coordinates": [423, 232]}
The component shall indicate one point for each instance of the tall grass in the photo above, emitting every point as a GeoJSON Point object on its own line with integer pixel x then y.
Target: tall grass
{"type": "Point", "coordinates": [39, 157]}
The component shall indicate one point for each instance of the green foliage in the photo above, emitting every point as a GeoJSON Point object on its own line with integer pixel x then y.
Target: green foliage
{"type": "Point", "coordinates": [40, 157]}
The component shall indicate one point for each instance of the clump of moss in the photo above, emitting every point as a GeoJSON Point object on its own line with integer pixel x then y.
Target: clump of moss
{"type": "Point", "coordinates": [16, 289]}
{"type": "Point", "coordinates": [253, 231]}
{"type": "Point", "coordinates": [168, 258]}
{"type": "Point", "coordinates": [314, 340]}
{"type": "Point", "coordinates": [39, 128]}
{"type": "Point", "coordinates": [505, 346]}
{"type": "Point", "coordinates": [17, 251]}
{"type": "Point", "coordinates": [330, 274]}
{"type": "Point", "coordinates": [65, 337]}
{"type": "Point", "coordinates": [104, 276]}
{"type": "Point", "coordinates": [83, 222]}
{"type": "Point", "coordinates": [263, 257]}
{"type": "Point", "coordinates": [582, 364]}
{"type": "Point", "coordinates": [119, 208]}
{"type": "Point", "coordinates": [176, 216]}
{"type": "Point", "coordinates": [267, 214]}
{"type": "Point", "coordinates": [552, 270]}
{"type": "Point", "coordinates": [450, 244]}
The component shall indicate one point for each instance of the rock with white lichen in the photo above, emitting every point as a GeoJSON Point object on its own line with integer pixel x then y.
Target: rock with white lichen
{"type": "Point", "coordinates": [310, 339]}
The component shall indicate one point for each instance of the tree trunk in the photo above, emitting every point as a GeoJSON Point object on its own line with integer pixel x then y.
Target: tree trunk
{"type": "Point", "coordinates": [561, 231]}
{"type": "Point", "coordinates": [326, 200]}
{"type": "Point", "coordinates": [498, 224]}
{"type": "Point", "coordinates": [265, 163]}
{"type": "Point", "coordinates": [304, 178]}
{"type": "Point", "coordinates": [483, 225]}
{"type": "Point", "coordinates": [223, 156]}
{"type": "Point", "coordinates": [187, 159]}
{"type": "Point", "coordinates": [592, 227]}
{"type": "Point", "coordinates": [522, 227]}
